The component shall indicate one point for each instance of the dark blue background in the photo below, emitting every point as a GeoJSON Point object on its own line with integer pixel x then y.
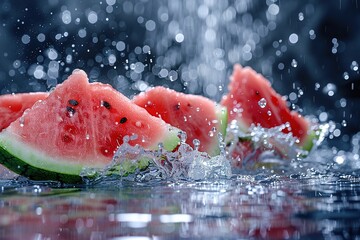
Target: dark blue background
{"type": "Point", "coordinates": [317, 64]}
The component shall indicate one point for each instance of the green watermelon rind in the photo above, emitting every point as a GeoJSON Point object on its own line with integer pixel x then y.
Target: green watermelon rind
{"type": "Point", "coordinates": [127, 167]}
{"type": "Point", "coordinates": [170, 141]}
{"type": "Point", "coordinates": [309, 142]}
{"type": "Point", "coordinates": [222, 118]}
{"type": "Point", "coordinates": [222, 115]}
{"type": "Point", "coordinates": [34, 164]}
{"type": "Point", "coordinates": [23, 160]}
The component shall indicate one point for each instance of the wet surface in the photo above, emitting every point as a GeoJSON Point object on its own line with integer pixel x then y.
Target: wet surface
{"type": "Point", "coordinates": [246, 206]}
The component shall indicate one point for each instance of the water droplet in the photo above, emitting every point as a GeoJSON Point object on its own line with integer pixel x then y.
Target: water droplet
{"type": "Point", "coordinates": [82, 33]}
{"type": "Point", "coordinates": [269, 113]}
{"type": "Point", "coordinates": [312, 34]}
{"type": "Point", "coordinates": [138, 124]}
{"type": "Point", "coordinates": [301, 92]}
{"type": "Point", "coordinates": [196, 143]}
{"type": "Point", "coordinates": [92, 17]}
{"type": "Point", "coordinates": [41, 37]}
{"type": "Point", "coordinates": [120, 46]}
{"type": "Point", "coordinates": [281, 66]}
{"type": "Point", "coordinates": [21, 121]}
{"type": "Point", "coordinates": [293, 38]}
{"type": "Point", "coordinates": [262, 102]}
{"type": "Point", "coordinates": [66, 17]}
{"type": "Point", "coordinates": [150, 25]}
{"type": "Point", "coordinates": [179, 38]}
{"type": "Point", "coordinates": [343, 102]}
{"type": "Point", "coordinates": [16, 64]}
{"type": "Point", "coordinates": [301, 16]}
{"type": "Point", "coordinates": [323, 117]}
{"type": "Point", "coordinates": [294, 63]}
{"type": "Point", "coordinates": [354, 66]}
{"type": "Point", "coordinates": [273, 9]}
{"type": "Point", "coordinates": [133, 137]}
{"type": "Point", "coordinates": [330, 89]}
{"type": "Point", "coordinates": [346, 75]}
{"type": "Point", "coordinates": [112, 59]}
{"type": "Point", "coordinates": [182, 136]}
{"type": "Point", "coordinates": [292, 96]}
{"type": "Point", "coordinates": [344, 123]}
{"type": "Point", "coordinates": [173, 75]}
{"type": "Point", "coordinates": [340, 159]}
{"type": "Point", "coordinates": [25, 39]}
{"type": "Point", "coordinates": [52, 54]}
{"type": "Point", "coordinates": [163, 73]}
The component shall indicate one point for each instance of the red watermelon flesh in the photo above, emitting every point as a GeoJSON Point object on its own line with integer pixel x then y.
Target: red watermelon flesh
{"type": "Point", "coordinates": [199, 117]}
{"type": "Point", "coordinates": [252, 100]}
{"type": "Point", "coordinates": [78, 125]}
{"type": "Point", "coordinates": [12, 106]}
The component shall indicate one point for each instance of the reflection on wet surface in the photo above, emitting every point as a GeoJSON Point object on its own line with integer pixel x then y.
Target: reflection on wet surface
{"type": "Point", "coordinates": [308, 49]}
{"type": "Point", "coordinates": [246, 206]}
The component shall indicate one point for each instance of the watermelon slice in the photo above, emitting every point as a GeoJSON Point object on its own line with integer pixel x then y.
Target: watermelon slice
{"type": "Point", "coordinates": [78, 125]}
{"type": "Point", "coordinates": [252, 100]}
{"type": "Point", "coordinates": [12, 106]}
{"type": "Point", "coordinates": [198, 116]}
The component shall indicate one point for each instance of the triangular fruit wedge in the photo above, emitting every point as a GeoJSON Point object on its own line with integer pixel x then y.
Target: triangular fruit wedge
{"type": "Point", "coordinates": [12, 106]}
{"type": "Point", "coordinates": [80, 124]}
{"type": "Point", "coordinates": [199, 117]}
{"type": "Point", "coordinates": [252, 100]}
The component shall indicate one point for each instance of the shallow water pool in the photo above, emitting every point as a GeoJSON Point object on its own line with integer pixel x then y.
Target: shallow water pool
{"type": "Point", "coordinates": [246, 206]}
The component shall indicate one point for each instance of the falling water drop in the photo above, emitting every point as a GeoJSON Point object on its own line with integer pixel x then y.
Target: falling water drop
{"type": "Point", "coordinates": [301, 16]}
{"type": "Point", "coordinates": [293, 38]}
{"type": "Point", "coordinates": [25, 39]}
{"type": "Point", "coordinates": [330, 89]}
{"type": "Point", "coordinates": [344, 123]}
{"type": "Point", "coordinates": [294, 63]}
{"type": "Point", "coordinates": [354, 66]}
{"type": "Point", "coordinates": [66, 17]}
{"type": "Point", "coordinates": [343, 102]}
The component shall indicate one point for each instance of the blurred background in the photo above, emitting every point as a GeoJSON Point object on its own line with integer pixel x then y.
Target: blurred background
{"type": "Point", "coordinates": [309, 50]}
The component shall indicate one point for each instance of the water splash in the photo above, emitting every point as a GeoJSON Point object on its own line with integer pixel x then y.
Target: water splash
{"type": "Point", "coordinates": [135, 163]}
{"type": "Point", "coordinates": [254, 149]}
{"type": "Point", "coordinates": [260, 146]}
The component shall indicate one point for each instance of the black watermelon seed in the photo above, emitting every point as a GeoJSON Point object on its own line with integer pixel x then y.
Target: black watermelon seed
{"type": "Point", "coordinates": [105, 104]}
{"type": "Point", "coordinates": [123, 120]}
{"type": "Point", "coordinates": [257, 93]}
{"type": "Point", "coordinates": [70, 110]}
{"type": "Point", "coordinates": [73, 102]}
{"type": "Point", "coordinates": [177, 106]}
